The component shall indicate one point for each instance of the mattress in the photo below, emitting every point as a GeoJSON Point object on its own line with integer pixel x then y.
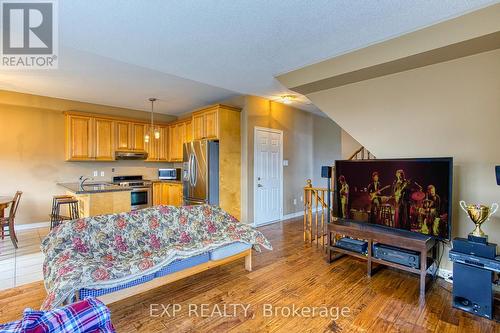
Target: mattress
{"type": "Point", "coordinates": [229, 250]}
{"type": "Point", "coordinates": [181, 264]}
{"type": "Point", "coordinates": [175, 266]}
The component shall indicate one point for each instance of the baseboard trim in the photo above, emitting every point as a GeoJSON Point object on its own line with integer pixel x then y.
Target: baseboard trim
{"type": "Point", "coordinates": [297, 214]}
{"type": "Point", "coordinates": [32, 226]}
{"type": "Point", "coordinates": [292, 215]}
{"type": "Point", "coordinates": [284, 218]}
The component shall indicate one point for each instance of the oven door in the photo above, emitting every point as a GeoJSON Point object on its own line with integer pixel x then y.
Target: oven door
{"type": "Point", "coordinates": [140, 198]}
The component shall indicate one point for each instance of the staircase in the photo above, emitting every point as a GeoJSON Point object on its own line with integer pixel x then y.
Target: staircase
{"type": "Point", "coordinates": [316, 205]}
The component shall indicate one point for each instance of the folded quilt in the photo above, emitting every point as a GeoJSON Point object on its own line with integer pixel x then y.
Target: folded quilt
{"type": "Point", "coordinates": [87, 316]}
{"type": "Point", "coordinates": [108, 250]}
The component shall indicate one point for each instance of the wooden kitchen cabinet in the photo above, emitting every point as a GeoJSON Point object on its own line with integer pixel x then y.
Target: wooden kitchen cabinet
{"type": "Point", "coordinates": [189, 131]}
{"type": "Point", "coordinates": [123, 131]}
{"type": "Point", "coordinates": [104, 139]}
{"type": "Point", "coordinates": [89, 138]}
{"type": "Point", "coordinates": [198, 126]}
{"type": "Point", "coordinates": [174, 194]}
{"type": "Point", "coordinates": [179, 133]}
{"type": "Point", "coordinates": [206, 124]}
{"type": "Point", "coordinates": [157, 190]}
{"type": "Point", "coordinates": [138, 132]}
{"type": "Point", "coordinates": [96, 137]}
{"type": "Point", "coordinates": [211, 124]}
{"type": "Point", "coordinates": [167, 194]}
{"type": "Point", "coordinates": [157, 148]}
{"type": "Point", "coordinates": [79, 138]}
{"type": "Point", "coordinates": [163, 144]}
{"type": "Point", "coordinates": [173, 150]}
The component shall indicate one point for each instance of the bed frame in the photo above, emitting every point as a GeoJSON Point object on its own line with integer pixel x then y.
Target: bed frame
{"type": "Point", "coordinates": [163, 280]}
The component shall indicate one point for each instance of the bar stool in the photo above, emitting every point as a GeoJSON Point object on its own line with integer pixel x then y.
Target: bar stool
{"type": "Point", "coordinates": [62, 200]}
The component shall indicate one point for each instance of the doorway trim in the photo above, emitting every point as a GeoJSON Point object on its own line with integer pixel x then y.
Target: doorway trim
{"type": "Point", "coordinates": [254, 180]}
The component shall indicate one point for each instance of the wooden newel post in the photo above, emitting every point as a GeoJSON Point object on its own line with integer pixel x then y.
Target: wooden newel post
{"type": "Point", "coordinates": [307, 206]}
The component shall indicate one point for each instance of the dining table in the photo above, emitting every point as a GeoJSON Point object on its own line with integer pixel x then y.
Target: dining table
{"type": "Point", "coordinates": [5, 201]}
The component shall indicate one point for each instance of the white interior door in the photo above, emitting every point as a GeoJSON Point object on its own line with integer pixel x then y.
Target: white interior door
{"type": "Point", "coordinates": [268, 175]}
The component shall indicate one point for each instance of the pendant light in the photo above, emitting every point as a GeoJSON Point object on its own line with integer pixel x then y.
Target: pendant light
{"type": "Point", "coordinates": [153, 130]}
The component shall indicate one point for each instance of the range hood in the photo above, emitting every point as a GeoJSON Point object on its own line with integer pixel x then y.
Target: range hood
{"type": "Point", "coordinates": [130, 155]}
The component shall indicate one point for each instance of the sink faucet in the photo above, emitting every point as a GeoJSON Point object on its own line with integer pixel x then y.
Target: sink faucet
{"type": "Point", "coordinates": [83, 180]}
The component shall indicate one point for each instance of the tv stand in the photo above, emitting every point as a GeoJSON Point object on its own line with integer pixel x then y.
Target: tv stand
{"type": "Point", "coordinates": [377, 234]}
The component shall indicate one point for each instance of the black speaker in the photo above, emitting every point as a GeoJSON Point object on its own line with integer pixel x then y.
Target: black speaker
{"type": "Point", "coordinates": [497, 171]}
{"type": "Point", "coordinates": [326, 172]}
{"type": "Point", "coordinates": [472, 291]}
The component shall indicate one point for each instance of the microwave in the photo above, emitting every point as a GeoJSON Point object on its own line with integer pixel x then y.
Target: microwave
{"type": "Point", "coordinates": [169, 174]}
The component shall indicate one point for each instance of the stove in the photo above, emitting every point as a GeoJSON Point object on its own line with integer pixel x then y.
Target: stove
{"type": "Point", "coordinates": [131, 181]}
{"type": "Point", "coordinates": [141, 194]}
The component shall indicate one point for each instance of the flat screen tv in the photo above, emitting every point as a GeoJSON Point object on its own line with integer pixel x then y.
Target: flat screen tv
{"type": "Point", "coordinates": [409, 194]}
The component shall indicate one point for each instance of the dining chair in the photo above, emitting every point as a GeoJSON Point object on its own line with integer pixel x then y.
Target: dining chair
{"type": "Point", "coordinates": [8, 222]}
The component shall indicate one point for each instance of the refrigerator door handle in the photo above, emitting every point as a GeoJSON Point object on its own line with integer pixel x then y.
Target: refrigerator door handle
{"type": "Point", "coordinates": [195, 171]}
{"type": "Point", "coordinates": [191, 169]}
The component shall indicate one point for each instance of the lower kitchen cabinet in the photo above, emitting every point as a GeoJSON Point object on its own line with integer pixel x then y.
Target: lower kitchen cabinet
{"type": "Point", "coordinates": [167, 194]}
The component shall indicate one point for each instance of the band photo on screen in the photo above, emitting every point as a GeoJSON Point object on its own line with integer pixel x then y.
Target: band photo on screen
{"type": "Point", "coordinates": [412, 194]}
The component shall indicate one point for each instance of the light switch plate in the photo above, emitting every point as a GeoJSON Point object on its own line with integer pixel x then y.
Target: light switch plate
{"type": "Point", "coordinates": [95, 173]}
{"type": "Point", "coordinates": [102, 173]}
{"type": "Point", "coordinates": [285, 162]}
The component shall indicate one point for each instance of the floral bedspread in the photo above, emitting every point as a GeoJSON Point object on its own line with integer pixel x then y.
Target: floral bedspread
{"type": "Point", "coordinates": [109, 250]}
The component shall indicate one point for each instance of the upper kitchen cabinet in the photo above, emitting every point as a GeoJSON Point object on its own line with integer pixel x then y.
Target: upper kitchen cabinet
{"type": "Point", "coordinates": [89, 138]}
{"type": "Point", "coordinates": [79, 140]}
{"type": "Point", "coordinates": [211, 122]}
{"type": "Point", "coordinates": [123, 135]}
{"type": "Point", "coordinates": [206, 124]}
{"type": "Point", "coordinates": [189, 131]}
{"type": "Point", "coordinates": [95, 137]}
{"type": "Point", "coordinates": [138, 132]}
{"type": "Point", "coordinates": [158, 148]}
{"type": "Point", "coordinates": [104, 139]}
{"type": "Point", "coordinates": [179, 133]}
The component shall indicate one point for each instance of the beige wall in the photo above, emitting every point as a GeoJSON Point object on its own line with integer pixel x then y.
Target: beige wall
{"type": "Point", "coordinates": [32, 151]}
{"type": "Point", "coordinates": [304, 148]}
{"type": "Point", "coordinates": [349, 145]}
{"type": "Point", "coordinates": [447, 109]}
{"type": "Point", "coordinates": [327, 147]}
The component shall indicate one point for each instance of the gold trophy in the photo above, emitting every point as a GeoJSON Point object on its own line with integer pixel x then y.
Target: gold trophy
{"type": "Point", "coordinates": [478, 215]}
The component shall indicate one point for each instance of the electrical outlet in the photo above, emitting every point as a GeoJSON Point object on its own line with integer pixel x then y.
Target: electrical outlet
{"type": "Point", "coordinates": [294, 201]}
{"type": "Point", "coordinates": [301, 199]}
{"type": "Point", "coordinates": [102, 173]}
{"type": "Point", "coordinates": [95, 173]}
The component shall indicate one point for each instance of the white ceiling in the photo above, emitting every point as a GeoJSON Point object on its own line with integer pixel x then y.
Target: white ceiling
{"type": "Point", "coordinates": [191, 53]}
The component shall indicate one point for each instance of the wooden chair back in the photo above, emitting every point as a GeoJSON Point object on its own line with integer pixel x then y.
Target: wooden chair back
{"type": "Point", "coordinates": [15, 205]}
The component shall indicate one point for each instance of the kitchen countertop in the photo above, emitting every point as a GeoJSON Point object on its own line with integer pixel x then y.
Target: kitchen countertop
{"type": "Point", "coordinates": [93, 188]}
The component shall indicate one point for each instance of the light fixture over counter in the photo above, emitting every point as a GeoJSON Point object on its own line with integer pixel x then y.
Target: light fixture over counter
{"type": "Point", "coordinates": [154, 131]}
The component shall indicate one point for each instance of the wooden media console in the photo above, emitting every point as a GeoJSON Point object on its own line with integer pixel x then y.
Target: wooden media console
{"type": "Point", "coordinates": [376, 234]}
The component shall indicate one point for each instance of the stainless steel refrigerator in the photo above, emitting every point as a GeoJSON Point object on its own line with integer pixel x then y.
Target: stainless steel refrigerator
{"type": "Point", "coordinates": [201, 172]}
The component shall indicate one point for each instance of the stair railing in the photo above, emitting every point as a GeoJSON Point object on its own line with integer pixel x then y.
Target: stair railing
{"type": "Point", "coordinates": [316, 207]}
{"type": "Point", "coordinates": [315, 214]}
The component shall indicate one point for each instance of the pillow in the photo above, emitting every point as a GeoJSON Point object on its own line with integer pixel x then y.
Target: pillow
{"type": "Point", "coordinates": [89, 315]}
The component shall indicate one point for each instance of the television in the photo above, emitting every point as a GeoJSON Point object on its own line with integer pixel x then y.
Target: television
{"type": "Point", "coordinates": [409, 194]}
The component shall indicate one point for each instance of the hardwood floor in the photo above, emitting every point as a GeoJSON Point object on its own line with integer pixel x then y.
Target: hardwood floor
{"type": "Point", "coordinates": [291, 274]}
